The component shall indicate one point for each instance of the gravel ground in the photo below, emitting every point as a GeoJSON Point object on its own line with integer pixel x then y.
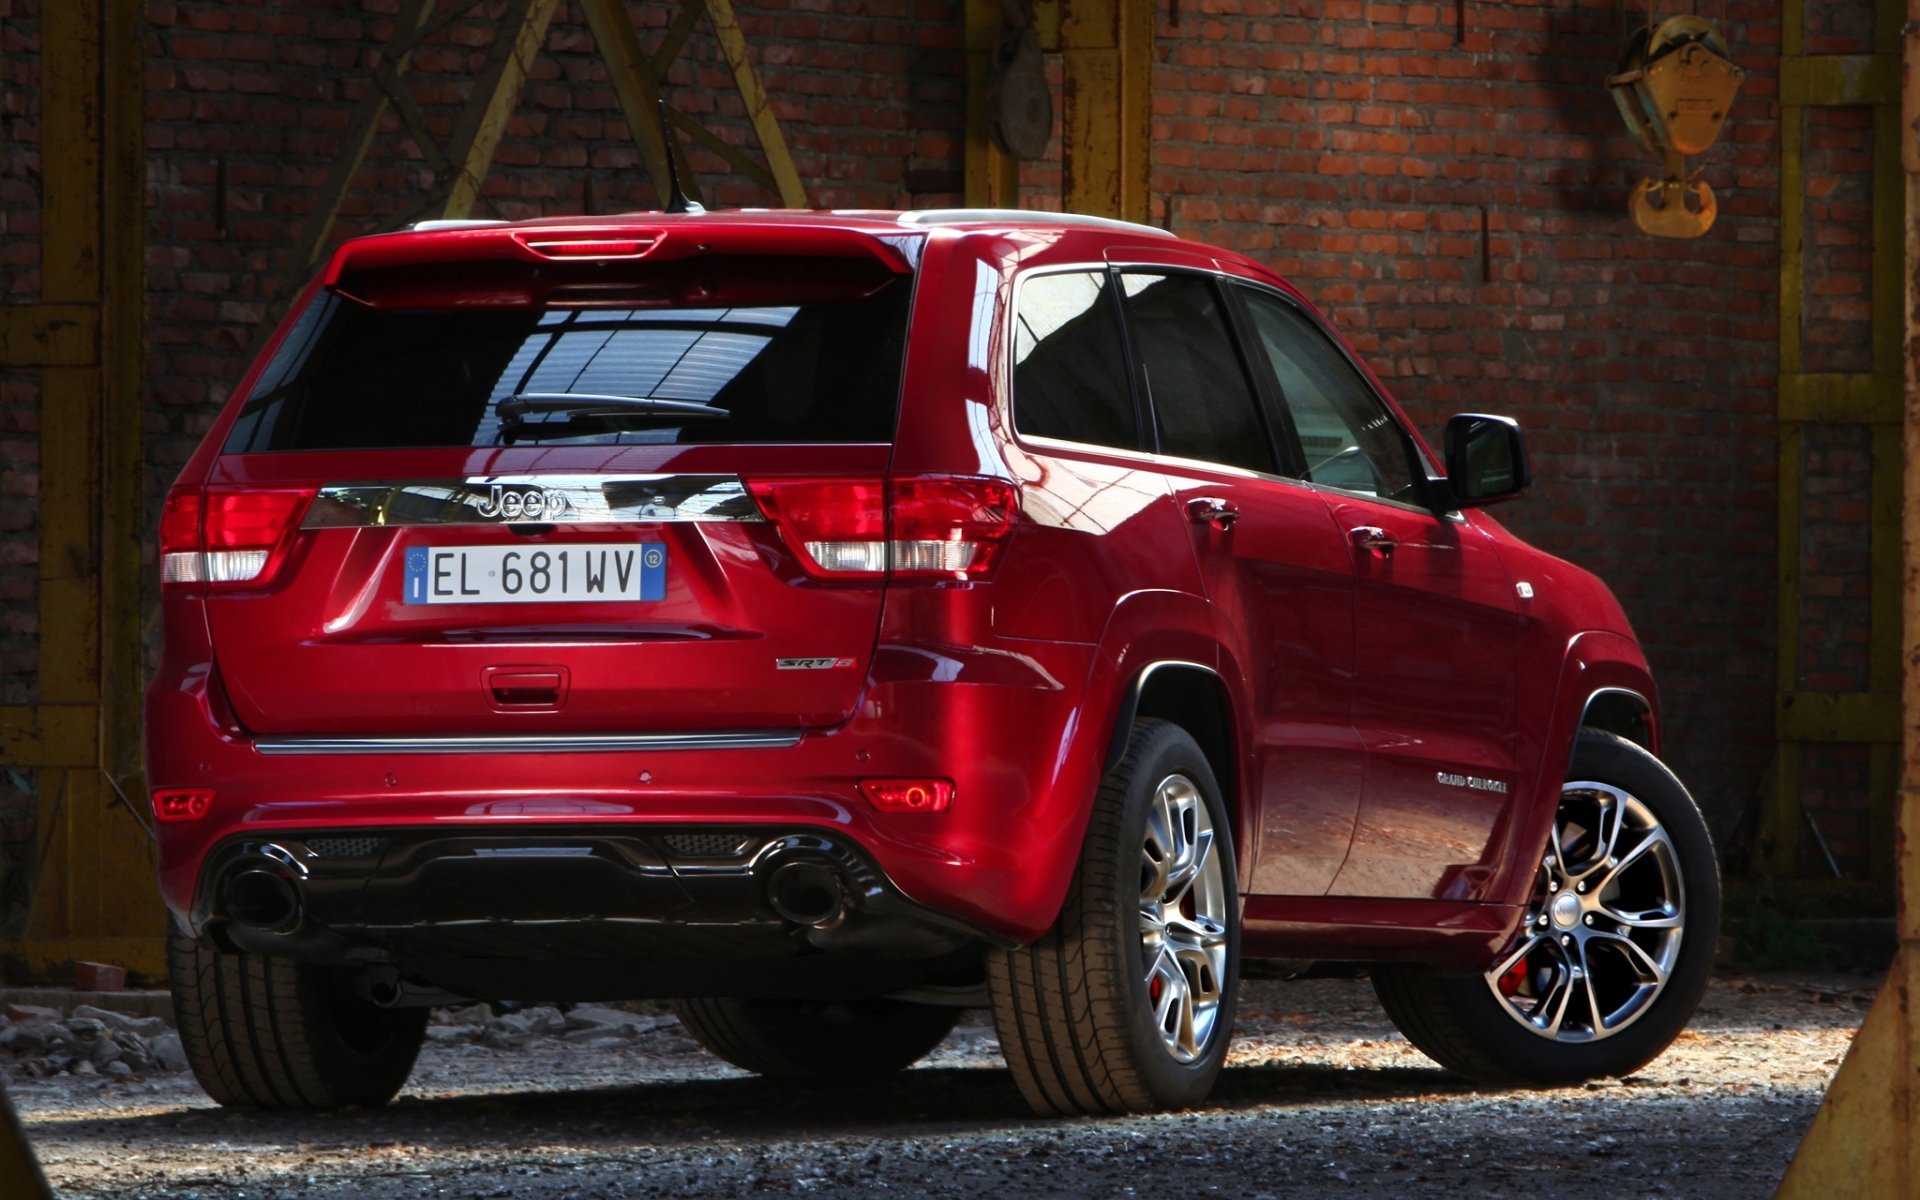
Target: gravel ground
{"type": "Point", "coordinates": [1320, 1098]}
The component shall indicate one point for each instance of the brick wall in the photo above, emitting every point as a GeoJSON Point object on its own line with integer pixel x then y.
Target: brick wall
{"type": "Point", "coordinates": [1448, 181]}
{"type": "Point", "coordinates": [1450, 185]}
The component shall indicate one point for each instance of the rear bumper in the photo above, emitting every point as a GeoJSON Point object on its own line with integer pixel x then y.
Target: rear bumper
{"type": "Point", "coordinates": [997, 863]}
{"type": "Point", "coordinates": [666, 912]}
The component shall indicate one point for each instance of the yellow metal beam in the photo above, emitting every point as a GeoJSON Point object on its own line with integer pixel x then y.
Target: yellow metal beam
{"type": "Point", "coordinates": [123, 515]}
{"type": "Point", "coordinates": [766, 127]}
{"type": "Point", "coordinates": [675, 37]}
{"type": "Point", "coordinates": [1865, 1140]}
{"type": "Point", "coordinates": [316, 232]}
{"type": "Point", "coordinates": [1107, 108]}
{"type": "Point", "coordinates": [632, 76]}
{"type": "Point", "coordinates": [992, 175]}
{"type": "Point", "coordinates": [734, 155]}
{"type": "Point", "coordinates": [49, 335]}
{"type": "Point", "coordinates": [94, 864]}
{"type": "Point", "coordinates": [1839, 716]}
{"type": "Point", "coordinates": [1839, 79]}
{"type": "Point", "coordinates": [1871, 398]}
{"type": "Point", "coordinates": [478, 134]}
{"type": "Point", "coordinates": [1835, 396]}
{"type": "Point", "coordinates": [49, 735]}
{"type": "Point", "coordinates": [1860, 1145]}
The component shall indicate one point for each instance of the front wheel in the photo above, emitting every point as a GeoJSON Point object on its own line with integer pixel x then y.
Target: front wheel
{"type": "Point", "coordinates": [1126, 1004]}
{"type": "Point", "coordinates": [1614, 950]}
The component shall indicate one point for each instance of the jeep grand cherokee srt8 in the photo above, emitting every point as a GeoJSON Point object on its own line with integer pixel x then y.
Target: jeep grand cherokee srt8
{"type": "Point", "coordinates": [828, 620]}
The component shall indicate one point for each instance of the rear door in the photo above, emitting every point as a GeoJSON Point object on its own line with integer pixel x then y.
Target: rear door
{"type": "Point", "coordinates": [1276, 571]}
{"type": "Point", "coordinates": [543, 509]}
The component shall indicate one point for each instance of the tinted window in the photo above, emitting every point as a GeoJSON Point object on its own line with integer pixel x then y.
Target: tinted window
{"type": "Point", "coordinates": [1069, 372]}
{"type": "Point", "coordinates": [1348, 437]}
{"type": "Point", "coordinates": [350, 376]}
{"type": "Point", "coordinates": [1202, 405]}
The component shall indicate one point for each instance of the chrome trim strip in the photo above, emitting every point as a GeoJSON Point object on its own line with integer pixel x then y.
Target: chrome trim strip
{"type": "Point", "coordinates": [533, 500]}
{"type": "Point", "coordinates": [533, 744]}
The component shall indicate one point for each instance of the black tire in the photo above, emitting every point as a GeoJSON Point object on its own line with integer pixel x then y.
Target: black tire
{"type": "Point", "coordinates": [1076, 1011]}
{"type": "Point", "coordinates": [818, 1041]}
{"type": "Point", "coordinates": [266, 1032]}
{"type": "Point", "coordinates": [1508, 1025]}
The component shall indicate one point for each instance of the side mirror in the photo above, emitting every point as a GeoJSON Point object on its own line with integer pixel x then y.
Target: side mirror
{"type": "Point", "coordinates": [1486, 461]}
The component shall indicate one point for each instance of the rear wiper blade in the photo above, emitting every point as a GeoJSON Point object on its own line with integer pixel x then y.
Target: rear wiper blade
{"type": "Point", "coordinates": [520, 404]}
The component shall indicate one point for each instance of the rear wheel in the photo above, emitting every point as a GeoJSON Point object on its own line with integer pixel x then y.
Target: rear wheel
{"type": "Point", "coordinates": [1615, 947]}
{"type": "Point", "coordinates": [266, 1032]}
{"type": "Point", "coordinates": [1126, 1005]}
{"type": "Point", "coordinates": [820, 1041]}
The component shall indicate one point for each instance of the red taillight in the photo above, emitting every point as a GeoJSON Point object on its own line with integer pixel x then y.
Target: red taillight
{"type": "Point", "coordinates": [908, 795]}
{"type": "Point", "coordinates": [228, 537]}
{"type": "Point", "coordinates": [180, 560]}
{"type": "Point", "coordinates": [921, 527]}
{"type": "Point", "coordinates": [181, 804]}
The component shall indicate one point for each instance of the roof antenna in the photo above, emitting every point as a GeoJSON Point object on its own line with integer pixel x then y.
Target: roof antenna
{"type": "Point", "coordinates": [677, 202]}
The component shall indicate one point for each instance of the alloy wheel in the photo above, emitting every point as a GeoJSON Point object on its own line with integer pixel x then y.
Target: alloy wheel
{"type": "Point", "coordinates": [1604, 927]}
{"type": "Point", "coordinates": [1183, 919]}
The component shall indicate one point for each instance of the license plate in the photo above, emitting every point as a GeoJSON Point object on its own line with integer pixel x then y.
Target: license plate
{"type": "Point", "coordinates": [545, 574]}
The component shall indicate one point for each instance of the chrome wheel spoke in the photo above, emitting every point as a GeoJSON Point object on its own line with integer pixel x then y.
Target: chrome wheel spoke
{"type": "Point", "coordinates": [1183, 919]}
{"type": "Point", "coordinates": [1588, 994]}
{"type": "Point", "coordinates": [1664, 917]}
{"type": "Point", "coordinates": [1643, 963]}
{"type": "Point", "coordinates": [1173, 1012]}
{"type": "Point", "coordinates": [1612, 816]}
{"type": "Point", "coordinates": [1184, 877]}
{"type": "Point", "coordinates": [1602, 934]}
{"type": "Point", "coordinates": [1556, 1002]}
{"type": "Point", "coordinates": [1656, 839]}
{"type": "Point", "coordinates": [1525, 948]}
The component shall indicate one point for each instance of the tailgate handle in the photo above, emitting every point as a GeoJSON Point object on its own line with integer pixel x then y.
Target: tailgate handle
{"type": "Point", "coordinates": [525, 688]}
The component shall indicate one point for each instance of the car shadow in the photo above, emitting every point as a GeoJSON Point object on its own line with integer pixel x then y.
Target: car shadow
{"type": "Point", "coordinates": [680, 1111]}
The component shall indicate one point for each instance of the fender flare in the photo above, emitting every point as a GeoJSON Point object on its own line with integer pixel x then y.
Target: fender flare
{"type": "Point", "coordinates": [1602, 673]}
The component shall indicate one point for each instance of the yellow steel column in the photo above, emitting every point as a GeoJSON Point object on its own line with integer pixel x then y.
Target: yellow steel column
{"type": "Point", "coordinates": [1107, 107]}
{"type": "Point", "coordinates": [93, 895]}
{"type": "Point", "coordinates": [1865, 1140]}
{"type": "Point", "coordinates": [1807, 398]}
{"type": "Point", "coordinates": [992, 175]}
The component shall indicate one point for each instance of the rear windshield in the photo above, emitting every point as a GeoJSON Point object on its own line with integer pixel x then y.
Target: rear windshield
{"type": "Point", "coordinates": [350, 376]}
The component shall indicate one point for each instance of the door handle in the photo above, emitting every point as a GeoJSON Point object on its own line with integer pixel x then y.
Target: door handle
{"type": "Point", "coordinates": [1213, 511]}
{"type": "Point", "coordinates": [1374, 539]}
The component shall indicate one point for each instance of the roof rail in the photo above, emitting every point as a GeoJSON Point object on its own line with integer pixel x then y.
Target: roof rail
{"type": "Point", "coordinates": [1021, 216]}
{"type": "Point", "coordinates": [453, 223]}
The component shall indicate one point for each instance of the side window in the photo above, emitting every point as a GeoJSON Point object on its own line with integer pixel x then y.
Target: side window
{"type": "Point", "coordinates": [1203, 405]}
{"type": "Point", "coordinates": [1069, 373]}
{"type": "Point", "coordinates": [1348, 438]}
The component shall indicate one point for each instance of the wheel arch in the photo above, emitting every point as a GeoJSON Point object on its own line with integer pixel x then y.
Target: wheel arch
{"type": "Point", "coordinates": [1194, 697]}
{"type": "Point", "coordinates": [1622, 711]}
{"type": "Point", "coordinates": [1604, 683]}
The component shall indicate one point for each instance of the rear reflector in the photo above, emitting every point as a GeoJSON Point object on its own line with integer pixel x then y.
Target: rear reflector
{"type": "Point", "coordinates": [908, 795]}
{"type": "Point", "coordinates": [181, 804]}
{"type": "Point", "coordinates": [919, 527]}
{"type": "Point", "coordinates": [228, 537]}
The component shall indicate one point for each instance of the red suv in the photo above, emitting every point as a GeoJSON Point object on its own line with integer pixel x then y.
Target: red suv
{"type": "Point", "coordinates": [826, 621]}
